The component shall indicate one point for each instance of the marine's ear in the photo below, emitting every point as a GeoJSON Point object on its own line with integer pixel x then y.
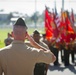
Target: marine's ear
{"type": "Point", "coordinates": [26, 35]}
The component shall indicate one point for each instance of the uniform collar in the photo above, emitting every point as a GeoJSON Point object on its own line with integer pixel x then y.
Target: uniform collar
{"type": "Point", "coordinates": [17, 42]}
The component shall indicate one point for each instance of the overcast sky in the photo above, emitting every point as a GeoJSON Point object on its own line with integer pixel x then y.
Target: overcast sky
{"type": "Point", "coordinates": [30, 6]}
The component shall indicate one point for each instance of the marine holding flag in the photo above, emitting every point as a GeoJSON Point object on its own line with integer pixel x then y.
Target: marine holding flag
{"type": "Point", "coordinates": [58, 30]}
{"type": "Point", "coordinates": [51, 33]}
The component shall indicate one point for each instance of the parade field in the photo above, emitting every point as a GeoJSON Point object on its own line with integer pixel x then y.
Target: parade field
{"type": "Point", "coordinates": [4, 31]}
{"type": "Point", "coordinates": [3, 35]}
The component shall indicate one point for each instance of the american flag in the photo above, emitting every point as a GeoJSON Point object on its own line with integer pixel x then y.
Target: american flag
{"type": "Point", "coordinates": [57, 18]}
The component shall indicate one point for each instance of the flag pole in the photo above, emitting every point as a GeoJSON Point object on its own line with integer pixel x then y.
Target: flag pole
{"type": "Point", "coordinates": [62, 5]}
{"type": "Point", "coordinates": [35, 14]}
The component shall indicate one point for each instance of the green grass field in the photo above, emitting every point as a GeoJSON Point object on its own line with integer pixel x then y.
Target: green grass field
{"type": "Point", "coordinates": [3, 34]}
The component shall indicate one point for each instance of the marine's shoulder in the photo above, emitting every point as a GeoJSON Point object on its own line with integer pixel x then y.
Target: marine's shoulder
{"type": "Point", "coordinates": [32, 49]}
{"type": "Point", "coordinates": [5, 48]}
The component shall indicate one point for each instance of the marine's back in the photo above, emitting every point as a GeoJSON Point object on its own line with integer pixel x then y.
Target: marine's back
{"type": "Point", "coordinates": [17, 59]}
